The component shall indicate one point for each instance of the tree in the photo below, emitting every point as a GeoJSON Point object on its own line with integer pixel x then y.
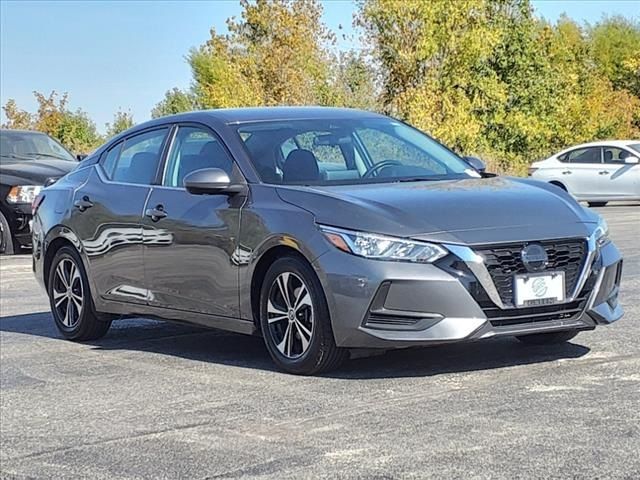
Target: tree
{"type": "Point", "coordinates": [53, 117]}
{"type": "Point", "coordinates": [16, 118]}
{"type": "Point", "coordinates": [353, 84]}
{"type": "Point", "coordinates": [175, 101]}
{"type": "Point", "coordinates": [275, 54]}
{"type": "Point", "coordinates": [615, 48]}
{"type": "Point", "coordinates": [121, 121]}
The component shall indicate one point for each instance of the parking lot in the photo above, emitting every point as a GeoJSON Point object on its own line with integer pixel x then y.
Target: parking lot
{"type": "Point", "coordinates": [160, 400]}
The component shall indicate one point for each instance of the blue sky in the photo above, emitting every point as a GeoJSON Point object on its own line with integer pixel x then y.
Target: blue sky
{"type": "Point", "coordinates": [112, 55]}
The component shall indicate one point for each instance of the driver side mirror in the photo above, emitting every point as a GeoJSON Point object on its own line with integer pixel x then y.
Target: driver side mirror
{"type": "Point", "coordinates": [632, 160]}
{"type": "Point", "coordinates": [211, 181]}
{"type": "Point", "coordinates": [476, 164]}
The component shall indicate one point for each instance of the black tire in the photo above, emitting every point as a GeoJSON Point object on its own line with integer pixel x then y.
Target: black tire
{"type": "Point", "coordinates": [548, 338]}
{"type": "Point", "coordinates": [597, 204]}
{"type": "Point", "coordinates": [7, 244]}
{"type": "Point", "coordinates": [321, 353]}
{"type": "Point", "coordinates": [82, 323]}
{"type": "Point", "coordinates": [559, 185]}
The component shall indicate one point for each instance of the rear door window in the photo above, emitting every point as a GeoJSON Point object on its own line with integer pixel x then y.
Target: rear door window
{"type": "Point", "coordinates": [136, 160]}
{"type": "Point", "coordinates": [585, 155]}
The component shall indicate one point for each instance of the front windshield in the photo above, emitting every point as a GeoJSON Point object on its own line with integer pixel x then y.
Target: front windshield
{"type": "Point", "coordinates": [636, 147]}
{"type": "Point", "coordinates": [29, 146]}
{"type": "Point", "coordinates": [351, 151]}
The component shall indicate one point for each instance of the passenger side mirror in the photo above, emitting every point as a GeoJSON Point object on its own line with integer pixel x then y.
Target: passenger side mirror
{"type": "Point", "coordinates": [632, 160]}
{"type": "Point", "coordinates": [211, 181]}
{"type": "Point", "coordinates": [81, 156]}
{"type": "Point", "coordinates": [476, 163]}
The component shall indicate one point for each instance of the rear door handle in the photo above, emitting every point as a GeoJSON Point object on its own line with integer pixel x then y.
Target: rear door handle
{"type": "Point", "coordinates": [603, 172]}
{"type": "Point", "coordinates": [156, 213]}
{"type": "Point", "coordinates": [567, 172]}
{"type": "Point", "coordinates": [83, 203]}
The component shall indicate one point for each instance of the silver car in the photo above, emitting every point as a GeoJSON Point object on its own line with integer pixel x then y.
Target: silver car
{"type": "Point", "coordinates": [596, 172]}
{"type": "Point", "coordinates": [323, 230]}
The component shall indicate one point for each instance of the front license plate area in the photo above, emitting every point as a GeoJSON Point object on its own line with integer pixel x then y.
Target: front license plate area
{"type": "Point", "coordinates": [537, 289]}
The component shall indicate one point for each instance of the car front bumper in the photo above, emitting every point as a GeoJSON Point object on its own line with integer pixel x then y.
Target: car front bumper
{"type": "Point", "coordinates": [379, 304]}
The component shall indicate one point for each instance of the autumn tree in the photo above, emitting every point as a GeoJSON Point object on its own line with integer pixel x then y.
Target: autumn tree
{"type": "Point", "coordinates": [121, 121]}
{"type": "Point", "coordinates": [73, 128]}
{"type": "Point", "coordinates": [275, 53]}
{"type": "Point", "coordinates": [175, 101]}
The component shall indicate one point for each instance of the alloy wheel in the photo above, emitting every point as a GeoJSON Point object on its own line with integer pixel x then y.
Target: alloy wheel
{"type": "Point", "coordinates": [68, 293]}
{"type": "Point", "coordinates": [290, 315]}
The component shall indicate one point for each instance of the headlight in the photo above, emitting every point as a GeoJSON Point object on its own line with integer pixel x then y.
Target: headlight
{"type": "Point", "coordinates": [380, 247]}
{"type": "Point", "coordinates": [23, 193]}
{"type": "Point", "coordinates": [601, 233]}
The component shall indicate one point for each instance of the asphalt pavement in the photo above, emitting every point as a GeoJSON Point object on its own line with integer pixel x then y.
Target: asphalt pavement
{"type": "Point", "coordinates": [161, 400]}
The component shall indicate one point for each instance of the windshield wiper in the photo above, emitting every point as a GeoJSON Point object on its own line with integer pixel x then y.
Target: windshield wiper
{"type": "Point", "coordinates": [49, 155]}
{"type": "Point", "coordinates": [417, 179]}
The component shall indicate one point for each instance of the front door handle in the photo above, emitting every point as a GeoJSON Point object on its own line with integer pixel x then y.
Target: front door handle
{"type": "Point", "coordinates": [603, 172]}
{"type": "Point", "coordinates": [156, 213]}
{"type": "Point", "coordinates": [83, 203]}
{"type": "Point", "coordinates": [567, 172]}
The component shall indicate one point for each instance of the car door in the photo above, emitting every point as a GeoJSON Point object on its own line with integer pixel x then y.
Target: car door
{"type": "Point", "coordinates": [622, 179]}
{"type": "Point", "coordinates": [106, 215]}
{"type": "Point", "coordinates": [581, 174]}
{"type": "Point", "coordinates": [190, 240]}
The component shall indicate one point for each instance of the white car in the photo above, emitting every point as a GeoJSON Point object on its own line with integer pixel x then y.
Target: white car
{"type": "Point", "coordinates": [596, 172]}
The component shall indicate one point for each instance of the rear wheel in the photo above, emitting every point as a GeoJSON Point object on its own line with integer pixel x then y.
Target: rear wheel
{"type": "Point", "coordinates": [597, 204]}
{"type": "Point", "coordinates": [295, 319]}
{"type": "Point", "coordinates": [70, 298]}
{"type": "Point", "coordinates": [7, 244]}
{"type": "Point", "coordinates": [548, 338]}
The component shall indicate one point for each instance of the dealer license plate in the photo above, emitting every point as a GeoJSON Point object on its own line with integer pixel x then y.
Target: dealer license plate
{"type": "Point", "coordinates": [536, 289]}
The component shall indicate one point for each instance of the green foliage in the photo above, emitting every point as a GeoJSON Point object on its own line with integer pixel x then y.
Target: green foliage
{"type": "Point", "coordinates": [488, 77]}
{"type": "Point", "coordinates": [121, 121]}
{"type": "Point", "coordinates": [175, 101]}
{"type": "Point", "coordinates": [75, 130]}
{"type": "Point", "coordinates": [615, 48]}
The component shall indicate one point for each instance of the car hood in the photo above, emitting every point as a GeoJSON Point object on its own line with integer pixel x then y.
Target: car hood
{"type": "Point", "coordinates": [33, 172]}
{"type": "Point", "coordinates": [471, 211]}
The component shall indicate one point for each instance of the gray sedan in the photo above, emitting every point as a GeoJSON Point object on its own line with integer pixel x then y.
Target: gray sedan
{"type": "Point", "coordinates": [323, 230]}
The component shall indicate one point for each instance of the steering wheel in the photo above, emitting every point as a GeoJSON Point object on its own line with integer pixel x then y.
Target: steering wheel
{"type": "Point", "coordinates": [379, 166]}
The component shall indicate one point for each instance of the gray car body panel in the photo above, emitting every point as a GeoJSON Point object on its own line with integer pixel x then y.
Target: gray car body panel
{"type": "Point", "coordinates": [200, 263]}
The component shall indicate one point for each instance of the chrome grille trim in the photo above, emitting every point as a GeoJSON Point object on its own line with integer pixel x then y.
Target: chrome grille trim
{"type": "Point", "coordinates": [476, 264]}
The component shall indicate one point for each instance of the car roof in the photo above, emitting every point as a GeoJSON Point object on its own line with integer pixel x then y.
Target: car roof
{"type": "Point", "coordinates": [610, 143]}
{"type": "Point", "coordinates": [18, 130]}
{"type": "Point", "coordinates": [263, 114]}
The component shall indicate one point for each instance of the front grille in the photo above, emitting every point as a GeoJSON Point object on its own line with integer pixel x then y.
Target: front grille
{"type": "Point", "coordinates": [516, 316]}
{"type": "Point", "coordinates": [504, 261]}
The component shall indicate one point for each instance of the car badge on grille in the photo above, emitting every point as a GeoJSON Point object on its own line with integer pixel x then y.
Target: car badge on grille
{"type": "Point", "coordinates": [534, 257]}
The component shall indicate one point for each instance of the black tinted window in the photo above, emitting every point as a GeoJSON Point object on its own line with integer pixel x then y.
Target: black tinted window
{"type": "Point", "coordinates": [195, 148]}
{"type": "Point", "coordinates": [585, 155]}
{"type": "Point", "coordinates": [138, 158]}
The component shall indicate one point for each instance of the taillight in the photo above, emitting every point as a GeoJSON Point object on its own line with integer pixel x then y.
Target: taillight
{"type": "Point", "coordinates": [36, 203]}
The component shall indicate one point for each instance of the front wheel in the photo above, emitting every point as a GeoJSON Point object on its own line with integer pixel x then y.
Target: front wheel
{"type": "Point", "coordinates": [7, 244]}
{"type": "Point", "coordinates": [295, 319]}
{"type": "Point", "coordinates": [548, 338]}
{"type": "Point", "coordinates": [70, 298]}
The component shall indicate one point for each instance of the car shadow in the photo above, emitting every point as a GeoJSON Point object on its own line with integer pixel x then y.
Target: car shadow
{"type": "Point", "coordinates": [215, 346]}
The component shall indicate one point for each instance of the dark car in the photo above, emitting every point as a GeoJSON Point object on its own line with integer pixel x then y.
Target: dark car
{"type": "Point", "coordinates": [28, 161]}
{"type": "Point", "coordinates": [322, 229]}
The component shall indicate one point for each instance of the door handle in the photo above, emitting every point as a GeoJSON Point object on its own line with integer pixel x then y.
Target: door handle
{"type": "Point", "coordinates": [156, 213]}
{"type": "Point", "coordinates": [603, 172]}
{"type": "Point", "coordinates": [567, 172]}
{"type": "Point", "coordinates": [83, 203]}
